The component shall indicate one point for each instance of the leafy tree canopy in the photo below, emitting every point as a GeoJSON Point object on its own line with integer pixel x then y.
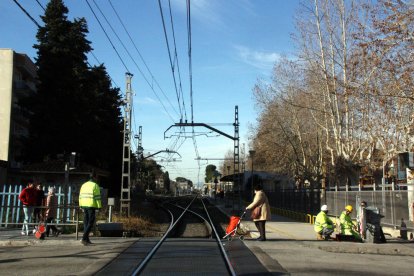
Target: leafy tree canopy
{"type": "Point", "coordinates": [210, 171]}
{"type": "Point", "coordinates": [75, 108]}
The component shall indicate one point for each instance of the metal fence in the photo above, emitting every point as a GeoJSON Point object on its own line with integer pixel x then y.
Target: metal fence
{"type": "Point", "coordinates": [393, 205]}
{"type": "Point", "coordinates": [11, 208]}
{"type": "Point", "coordinates": [304, 200]}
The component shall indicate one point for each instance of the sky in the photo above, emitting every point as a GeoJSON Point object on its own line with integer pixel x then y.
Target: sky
{"type": "Point", "coordinates": [234, 43]}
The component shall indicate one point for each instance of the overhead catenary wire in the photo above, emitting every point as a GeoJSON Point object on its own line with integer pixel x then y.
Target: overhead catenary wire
{"type": "Point", "coordinates": [190, 69]}
{"type": "Point", "coordinates": [40, 5]}
{"type": "Point", "coordinates": [170, 58]}
{"type": "Point", "coordinates": [142, 58]}
{"type": "Point", "coordinates": [130, 56]}
{"type": "Point", "coordinates": [177, 60]}
{"type": "Point", "coordinates": [190, 65]}
{"type": "Point", "coordinates": [27, 13]}
{"type": "Point", "coordinates": [107, 36]}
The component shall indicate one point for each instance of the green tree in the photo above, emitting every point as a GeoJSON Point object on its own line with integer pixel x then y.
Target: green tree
{"type": "Point", "coordinates": [103, 120]}
{"type": "Point", "coordinates": [75, 108]}
{"type": "Point", "coordinates": [180, 179]}
{"type": "Point", "coordinates": [210, 170]}
{"type": "Point", "coordinates": [167, 181]}
{"type": "Point", "coordinates": [57, 125]}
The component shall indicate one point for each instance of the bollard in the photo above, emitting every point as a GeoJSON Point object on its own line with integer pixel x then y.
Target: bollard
{"type": "Point", "coordinates": [309, 216]}
{"type": "Point", "coordinates": [403, 230]}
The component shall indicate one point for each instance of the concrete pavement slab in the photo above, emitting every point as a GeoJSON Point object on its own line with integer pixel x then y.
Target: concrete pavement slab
{"type": "Point", "coordinates": [63, 255]}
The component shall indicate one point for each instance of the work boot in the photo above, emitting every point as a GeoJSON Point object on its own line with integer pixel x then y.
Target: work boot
{"type": "Point", "coordinates": [319, 237]}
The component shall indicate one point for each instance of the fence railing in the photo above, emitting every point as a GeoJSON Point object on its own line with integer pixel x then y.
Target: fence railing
{"type": "Point", "coordinates": [393, 205]}
{"type": "Point", "coordinates": [307, 201]}
{"type": "Point", "coordinates": [11, 208]}
{"type": "Point", "coordinates": [391, 200]}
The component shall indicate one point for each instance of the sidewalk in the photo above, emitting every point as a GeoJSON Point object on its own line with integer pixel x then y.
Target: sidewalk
{"type": "Point", "coordinates": [286, 229]}
{"type": "Point", "coordinates": [63, 255]}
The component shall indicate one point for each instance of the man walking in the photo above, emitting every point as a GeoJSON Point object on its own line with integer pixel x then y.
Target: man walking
{"type": "Point", "coordinates": [89, 201]}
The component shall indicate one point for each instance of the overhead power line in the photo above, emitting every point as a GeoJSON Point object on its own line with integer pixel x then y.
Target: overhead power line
{"type": "Point", "coordinates": [171, 61]}
{"type": "Point", "coordinates": [142, 59]}
{"type": "Point", "coordinates": [177, 61]}
{"type": "Point", "coordinates": [110, 41]}
{"type": "Point", "coordinates": [40, 5]}
{"type": "Point", "coordinates": [28, 14]}
{"type": "Point", "coordinates": [136, 64]}
{"type": "Point", "coordinates": [190, 63]}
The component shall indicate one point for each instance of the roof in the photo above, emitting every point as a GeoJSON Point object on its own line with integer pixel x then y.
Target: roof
{"type": "Point", "coordinates": [58, 166]}
{"type": "Point", "coordinates": [262, 175]}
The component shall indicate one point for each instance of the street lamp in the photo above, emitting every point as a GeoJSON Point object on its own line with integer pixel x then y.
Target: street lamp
{"type": "Point", "coordinates": [252, 153]}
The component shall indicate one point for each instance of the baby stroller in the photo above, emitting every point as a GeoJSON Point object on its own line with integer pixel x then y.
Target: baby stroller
{"type": "Point", "coordinates": [233, 227]}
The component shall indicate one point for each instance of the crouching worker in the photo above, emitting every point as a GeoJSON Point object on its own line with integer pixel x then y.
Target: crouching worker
{"type": "Point", "coordinates": [347, 226]}
{"type": "Point", "coordinates": [324, 226]}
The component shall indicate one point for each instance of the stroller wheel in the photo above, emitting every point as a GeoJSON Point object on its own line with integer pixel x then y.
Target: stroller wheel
{"type": "Point", "coordinates": [241, 238]}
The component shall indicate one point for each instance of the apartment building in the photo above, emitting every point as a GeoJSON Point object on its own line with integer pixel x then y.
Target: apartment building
{"type": "Point", "coordinates": [17, 81]}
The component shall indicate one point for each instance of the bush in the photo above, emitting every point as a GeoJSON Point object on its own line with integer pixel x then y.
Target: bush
{"type": "Point", "coordinates": [135, 226]}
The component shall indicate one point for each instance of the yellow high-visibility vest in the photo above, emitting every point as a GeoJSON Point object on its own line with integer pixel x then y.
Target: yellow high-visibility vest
{"type": "Point", "coordinates": [322, 221]}
{"type": "Point", "coordinates": [90, 195]}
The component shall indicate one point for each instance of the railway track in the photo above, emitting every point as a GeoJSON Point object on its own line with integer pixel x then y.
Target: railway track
{"type": "Point", "coordinates": [211, 251]}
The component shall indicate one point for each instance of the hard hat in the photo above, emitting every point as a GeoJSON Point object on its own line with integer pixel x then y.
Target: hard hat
{"type": "Point", "coordinates": [324, 208]}
{"type": "Point", "coordinates": [348, 208]}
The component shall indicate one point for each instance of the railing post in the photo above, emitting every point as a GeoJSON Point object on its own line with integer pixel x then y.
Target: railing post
{"type": "Point", "coordinates": [3, 194]}
{"type": "Point", "coordinates": [77, 223]}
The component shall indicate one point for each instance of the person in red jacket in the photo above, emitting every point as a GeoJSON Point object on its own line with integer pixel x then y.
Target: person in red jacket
{"type": "Point", "coordinates": [28, 197]}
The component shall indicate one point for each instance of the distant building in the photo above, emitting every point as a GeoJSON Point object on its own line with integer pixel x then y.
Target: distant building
{"type": "Point", "coordinates": [271, 181]}
{"type": "Point", "coordinates": [180, 187]}
{"type": "Point", "coordinates": [17, 81]}
{"type": "Point", "coordinates": [159, 183]}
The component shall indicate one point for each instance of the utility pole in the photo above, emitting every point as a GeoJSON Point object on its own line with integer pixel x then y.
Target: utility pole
{"type": "Point", "coordinates": [126, 151]}
{"type": "Point", "coordinates": [140, 154]}
{"type": "Point", "coordinates": [243, 169]}
{"type": "Point", "coordinates": [236, 168]}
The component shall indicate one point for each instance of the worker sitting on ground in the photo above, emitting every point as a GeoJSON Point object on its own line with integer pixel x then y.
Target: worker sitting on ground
{"type": "Point", "coordinates": [324, 226]}
{"type": "Point", "coordinates": [347, 226]}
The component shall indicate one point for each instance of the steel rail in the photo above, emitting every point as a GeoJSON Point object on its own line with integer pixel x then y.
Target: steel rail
{"type": "Point", "coordinates": [155, 248]}
{"type": "Point", "coordinates": [200, 216]}
{"type": "Point", "coordinates": [218, 239]}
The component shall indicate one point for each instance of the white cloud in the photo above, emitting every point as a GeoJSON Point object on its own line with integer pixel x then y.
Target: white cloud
{"type": "Point", "coordinates": [258, 59]}
{"type": "Point", "coordinates": [146, 101]}
{"type": "Point", "coordinates": [206, 11]}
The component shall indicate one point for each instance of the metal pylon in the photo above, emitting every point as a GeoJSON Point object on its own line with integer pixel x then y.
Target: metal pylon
{"type": "Point", "coordinates": [236, 154]}
{"type": "Point", "coordinates": [126, 152]}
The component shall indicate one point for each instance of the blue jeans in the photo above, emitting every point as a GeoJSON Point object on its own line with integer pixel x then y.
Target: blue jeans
{"type": "Point", "coordinates": [88, 222]}
{"type": "Point", "coordinates": [326, 232]}
{"type": "Point", "coordinates": [28, 211]}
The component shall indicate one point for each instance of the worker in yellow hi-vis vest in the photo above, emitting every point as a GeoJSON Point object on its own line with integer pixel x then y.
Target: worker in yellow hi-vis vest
{"type": "Point", "coordinates": [323, 226]}
{"type": "Point", "coordinates": [89, 201]}
{"type": "Point", "coordinates": [347, 226]}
